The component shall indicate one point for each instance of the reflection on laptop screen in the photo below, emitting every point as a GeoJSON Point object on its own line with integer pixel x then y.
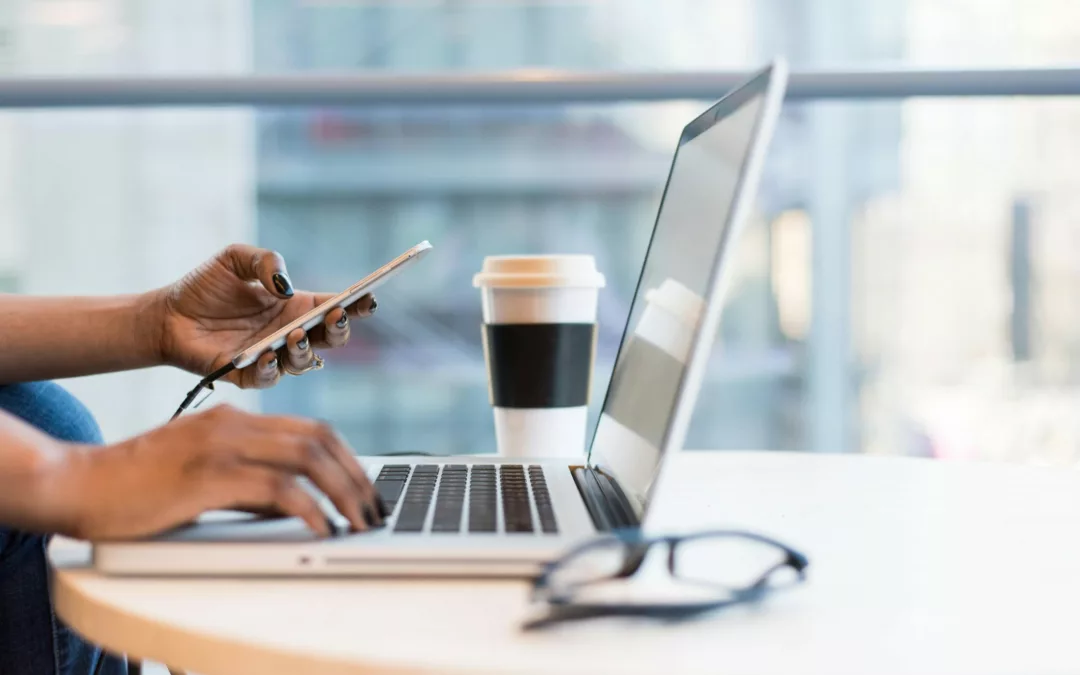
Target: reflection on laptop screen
{"type": "Point", "coordinates": [671, 294]}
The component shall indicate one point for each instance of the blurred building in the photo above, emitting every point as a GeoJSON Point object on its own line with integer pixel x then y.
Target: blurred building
{"type": "Point", "coordinates": [965, 293]}
{"type": "Point", "coordinates": [907, 286]}
{"type": "Point", "coordinates": [111, 201]}
{"type": "Point", "coordinates": [340, 191]}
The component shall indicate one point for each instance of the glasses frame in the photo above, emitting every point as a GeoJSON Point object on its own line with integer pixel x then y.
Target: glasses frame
{"type": "Point", "coordinates": [636, 548]}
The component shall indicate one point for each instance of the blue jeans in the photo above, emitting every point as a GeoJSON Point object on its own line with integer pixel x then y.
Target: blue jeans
{"type": "Point", "coordinates": [33, 641]}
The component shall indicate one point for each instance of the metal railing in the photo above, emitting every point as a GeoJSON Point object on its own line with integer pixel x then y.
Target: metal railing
{"type": "Point", "coordinates": [516, 87]}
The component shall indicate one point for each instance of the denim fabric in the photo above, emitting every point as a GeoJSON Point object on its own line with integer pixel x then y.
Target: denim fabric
{"type": "Point", "coordinates": [33, 641]}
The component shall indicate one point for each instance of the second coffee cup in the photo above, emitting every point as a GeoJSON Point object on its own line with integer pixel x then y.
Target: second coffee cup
{"type": "Point", "coordinates": [539, 338]}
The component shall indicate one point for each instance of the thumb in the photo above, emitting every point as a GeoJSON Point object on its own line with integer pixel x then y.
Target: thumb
{"type": "Point", "coordinates": [268, 267]}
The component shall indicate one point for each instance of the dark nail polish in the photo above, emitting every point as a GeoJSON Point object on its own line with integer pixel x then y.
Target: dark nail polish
{"type": "Point", "coordinates": [343, 321]}
{"type": "Point", "coordinates": [383, 510]}
{"type": "Point", "coordinates": [331, 526]}
{"type": "Point", "coordinates": [369, 515]}
{"type": "Point", "coordinates": [303, 344]}
{"type": "Point", "coordinates": [374, 306]}
{"type": "Point", "coordinates": [283, 285]}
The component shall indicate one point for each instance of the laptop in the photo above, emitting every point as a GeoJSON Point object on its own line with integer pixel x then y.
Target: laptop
{"type": "Point", "coordinates": [485, 516]}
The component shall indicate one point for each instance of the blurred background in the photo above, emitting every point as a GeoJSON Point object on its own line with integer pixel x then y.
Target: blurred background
{"type": "Point", "coordinates": [908, 286]}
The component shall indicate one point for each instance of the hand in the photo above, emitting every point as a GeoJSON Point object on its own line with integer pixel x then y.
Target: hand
{"type": "Point", "coordinates": [219, 459]}
{"type": "Point", "coordinates": [233, 300]}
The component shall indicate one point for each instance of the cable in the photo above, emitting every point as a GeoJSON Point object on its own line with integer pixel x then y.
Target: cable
{"type": "Point", "coordinates": [205, 383]}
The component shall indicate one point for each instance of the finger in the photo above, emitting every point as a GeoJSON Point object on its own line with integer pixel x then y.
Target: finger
{"type": "Point", "coordinates": [270, 489]}
{"type": "Point", "coordinates": [262, 374]}
{"type": "Point", "coordinates": [262, 512]}
{"type": "Point", "coordinates": [374, 508]}
{"type": "Point", "coordinates": [298, 349]}
{"type": "Point", "coordinates": [251, 263]}
{"type": "Point", "coordinates": [365, 306]}
{"type": "Point", "coordinates": [295, 457]}
{"type": "Point", "coordinates": [309, 455]}
{"type": "Point", "coordinates": [336, 329]}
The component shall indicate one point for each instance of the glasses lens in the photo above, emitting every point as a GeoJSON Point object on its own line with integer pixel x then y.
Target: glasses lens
{"type": "Point", "coordinates": [732, 562]}
{"type": "Point", "coordinates": [602, 560]}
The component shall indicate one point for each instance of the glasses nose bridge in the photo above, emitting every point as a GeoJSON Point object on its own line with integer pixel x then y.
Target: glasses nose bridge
{"type": "Point", "coordinates": [637, 552]}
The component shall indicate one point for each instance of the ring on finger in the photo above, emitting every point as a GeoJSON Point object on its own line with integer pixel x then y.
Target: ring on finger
{"type": "Point", "coordinates": [316, 364]}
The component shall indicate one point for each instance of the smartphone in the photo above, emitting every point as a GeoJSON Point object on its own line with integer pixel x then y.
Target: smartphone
{"type": "Point", "coordinates": [317, 315]}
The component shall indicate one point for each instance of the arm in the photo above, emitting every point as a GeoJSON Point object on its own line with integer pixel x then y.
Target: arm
{"type": "Point", "coordinates": [197, 324]}
{"type": "Point", "coordinates": [50, 338]}
{"type": "Point", "coordinates": [221, 458]}
{"type": "Point", "coordinates": [27, 458]}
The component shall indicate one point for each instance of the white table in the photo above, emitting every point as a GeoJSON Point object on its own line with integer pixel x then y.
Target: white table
{"type": "Point", "coordinates": [916, 567]}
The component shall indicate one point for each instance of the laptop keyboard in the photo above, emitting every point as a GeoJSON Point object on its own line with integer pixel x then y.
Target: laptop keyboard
{"type": "Point", "coordinates": [464, 498]}
{"type": "Point", "coordinates": [482, 495]}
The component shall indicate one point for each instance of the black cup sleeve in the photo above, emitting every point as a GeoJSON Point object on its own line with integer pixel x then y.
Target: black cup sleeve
{"type": "Point", "coordinates": [539, 365]}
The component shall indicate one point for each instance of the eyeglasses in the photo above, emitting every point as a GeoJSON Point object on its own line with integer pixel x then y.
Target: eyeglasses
{"type": "Point", "coordinates": [705, 571]}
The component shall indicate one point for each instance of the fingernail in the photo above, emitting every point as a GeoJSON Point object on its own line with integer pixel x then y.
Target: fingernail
{"type": "Point", "coordinates": [272, 364]}
{"type": "Point", "coordinates": [383, 510]}
{"type": "Point", "coordinates": [343, 321]}
{"type": "Point", "coordinates": [283, 285]}
{"type": "Point", "coordinates": [369, 516]}
{"type": "Point", "coordinates": [374, 306]}
{"type": "Point", "coordinates": [303, 344]}
{"type": "Point", "coordinates": [331, 526]}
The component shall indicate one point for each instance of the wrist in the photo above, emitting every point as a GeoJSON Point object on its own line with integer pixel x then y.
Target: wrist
{"type": "Point", "coordinates": [81, 488]}
{"type": "Point", "coordinates": [46, 488]}
{"type": "Point", "coordinates": [59, 491]}
{"type": "Point", "coordinates": [150, 327]}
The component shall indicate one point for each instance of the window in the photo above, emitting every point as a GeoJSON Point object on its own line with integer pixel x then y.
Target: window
{"type": "Point", "coordinates": [906, 287]}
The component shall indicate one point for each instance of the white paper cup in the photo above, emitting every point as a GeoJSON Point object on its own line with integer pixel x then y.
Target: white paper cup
{"type": "Point", "coordinates": [539, 339]}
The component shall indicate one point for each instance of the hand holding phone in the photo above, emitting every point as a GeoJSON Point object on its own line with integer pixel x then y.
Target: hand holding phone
{"type": "Point", "coordinates": [317, 315]}
{"type": "Point", "coordinates": [237, 270]}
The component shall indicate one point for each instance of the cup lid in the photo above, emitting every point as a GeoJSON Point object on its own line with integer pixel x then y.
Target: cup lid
{"type": "Point", "coordinates": [677, 300]}
{"type": "Point", "coordinates": [538, 271]}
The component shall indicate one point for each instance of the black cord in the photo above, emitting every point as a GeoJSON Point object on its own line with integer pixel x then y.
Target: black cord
{"type": "Point", "coordinates": [205, 383]}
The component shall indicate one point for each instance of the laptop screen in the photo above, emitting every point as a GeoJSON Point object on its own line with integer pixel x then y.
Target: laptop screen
{"type": "Point", "coordinates": [691, 226]}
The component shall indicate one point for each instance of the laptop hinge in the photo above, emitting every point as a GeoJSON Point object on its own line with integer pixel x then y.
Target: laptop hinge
{"type": "Point", "coordinates": [604, 500]}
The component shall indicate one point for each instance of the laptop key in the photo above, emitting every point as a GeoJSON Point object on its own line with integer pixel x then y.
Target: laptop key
{"type": "Point", "coordinates": [416, 500]}
{"type": "Point", "coordinates": [450, 502]}
{"type": "Point", "coordinates": [517, 516]}
{"type": "Point", "coordinates": [483, 491]}
{"type": "Point", "coordinates": [389, 490]}
{"type": "Point", "coordinates": [542, 498]}
{"type": "Point", "coordinates": [411, 518]}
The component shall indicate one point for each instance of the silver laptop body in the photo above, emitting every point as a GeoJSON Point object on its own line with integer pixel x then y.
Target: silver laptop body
{"type": "Point", "coordinates": [486, 516]}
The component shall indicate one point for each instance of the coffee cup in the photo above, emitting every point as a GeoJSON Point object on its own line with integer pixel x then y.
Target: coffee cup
{"type": "Point", "coordinates": [539, 338]}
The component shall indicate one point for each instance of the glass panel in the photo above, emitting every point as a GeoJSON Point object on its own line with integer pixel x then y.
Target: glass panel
{"type": "Point", "coordinates": [110, 202]}
{"type": "Point", "coordinates": [94, 37]}
{"type": "Point", "coordinates": [481, 181]}
{"type": "Point", "coordinates": [907, 286]}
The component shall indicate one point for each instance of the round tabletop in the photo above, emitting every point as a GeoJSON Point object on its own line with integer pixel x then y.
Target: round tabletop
{"type": "Point", "coordinates": [917, 566]}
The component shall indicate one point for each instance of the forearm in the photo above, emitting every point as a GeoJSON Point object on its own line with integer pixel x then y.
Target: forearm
{"type": "Point", "coordinates": [29, 460]}
{"type": "Point", "coordinates": [45, 338]}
